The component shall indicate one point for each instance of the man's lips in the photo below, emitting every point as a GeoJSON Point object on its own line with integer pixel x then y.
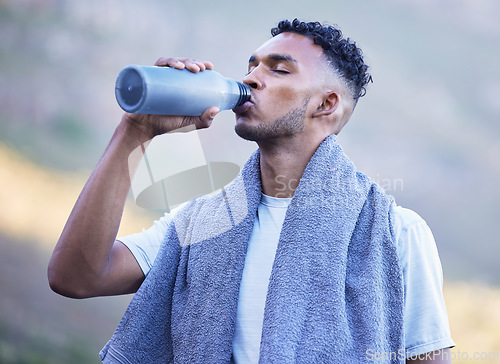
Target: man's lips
{"type": "Point", "coordinates": [243, 108]}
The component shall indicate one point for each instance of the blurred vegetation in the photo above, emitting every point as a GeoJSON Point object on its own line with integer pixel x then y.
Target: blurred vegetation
{"type": "Point", "coordinates": [430, 120]}
{"type": "Point", "coordinates": [36, 325]}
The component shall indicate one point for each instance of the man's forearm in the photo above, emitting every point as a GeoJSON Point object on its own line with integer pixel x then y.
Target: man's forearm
{"type": "Point", "coordinates": [82, 254]}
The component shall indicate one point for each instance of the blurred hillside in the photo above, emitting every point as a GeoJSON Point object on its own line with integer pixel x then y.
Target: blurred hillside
{"type": "Point", "coordinates": [427, 131]}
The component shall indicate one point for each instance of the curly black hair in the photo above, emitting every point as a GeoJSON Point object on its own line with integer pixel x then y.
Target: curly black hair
{"type": "Point", "coordinates": [343, 55]}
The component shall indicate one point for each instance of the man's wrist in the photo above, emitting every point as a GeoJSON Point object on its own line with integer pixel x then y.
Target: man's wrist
{"type": "Point", "coordinates": [133, 131]}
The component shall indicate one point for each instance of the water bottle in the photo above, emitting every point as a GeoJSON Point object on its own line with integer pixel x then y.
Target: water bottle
{"type": "Point", "coordinates": [169, 91]}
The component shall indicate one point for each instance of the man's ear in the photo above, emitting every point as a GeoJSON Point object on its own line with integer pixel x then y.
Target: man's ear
{"type": "Point", "coordinates": [331, 101]}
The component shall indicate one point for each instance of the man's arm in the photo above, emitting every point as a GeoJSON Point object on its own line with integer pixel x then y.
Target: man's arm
{"type": "Point", "coordinates": [87, 260]}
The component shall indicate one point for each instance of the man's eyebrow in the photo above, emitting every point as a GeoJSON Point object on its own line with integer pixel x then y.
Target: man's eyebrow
{"type": "Point", "coordinates": [282, 57]}
{"type": "Point", "coordinates": [277, 57]}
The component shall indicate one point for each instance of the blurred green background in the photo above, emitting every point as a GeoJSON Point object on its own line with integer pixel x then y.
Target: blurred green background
{"type": "Point", "coordinates": [427, 131]}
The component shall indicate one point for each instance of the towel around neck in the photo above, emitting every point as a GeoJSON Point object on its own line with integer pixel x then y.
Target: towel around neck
{"type": "Point", "coordinates": [335, 293]}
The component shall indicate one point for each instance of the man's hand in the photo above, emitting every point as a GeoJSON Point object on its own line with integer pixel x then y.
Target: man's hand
{"type": "Point", "coordinates": [152, 125]}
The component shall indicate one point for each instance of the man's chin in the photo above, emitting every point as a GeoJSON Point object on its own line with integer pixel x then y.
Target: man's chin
{"type": "Point", "coordinates": [254, 133]}
{"type": "Point", "coordinates": [246, 132]}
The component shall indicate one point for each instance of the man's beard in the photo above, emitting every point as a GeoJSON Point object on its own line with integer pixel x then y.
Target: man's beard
{"type": "Point", "coordinates": [288, 125]}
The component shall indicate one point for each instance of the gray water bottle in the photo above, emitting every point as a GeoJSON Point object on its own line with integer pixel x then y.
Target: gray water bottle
{"type": "Point", "coordinates": [169, 91]}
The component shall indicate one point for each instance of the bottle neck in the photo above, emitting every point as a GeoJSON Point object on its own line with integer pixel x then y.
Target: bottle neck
{"type": "Point", "coordinates": [244, 93]}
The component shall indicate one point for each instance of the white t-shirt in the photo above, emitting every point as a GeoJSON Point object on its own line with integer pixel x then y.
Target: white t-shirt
{"type": "Point", "coordinates": [426, 324]}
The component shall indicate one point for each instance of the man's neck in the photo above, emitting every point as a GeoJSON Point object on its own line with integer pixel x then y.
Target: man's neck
{"type": "Point", "coordinates": [282, 166]}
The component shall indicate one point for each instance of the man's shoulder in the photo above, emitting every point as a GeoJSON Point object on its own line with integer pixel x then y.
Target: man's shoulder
{"type": "Point", "coordinates": [411, 232]}
{"type": "Point", "coordinates": [413, 237]}
{"type": "Point", "coordinates": [403, 218]}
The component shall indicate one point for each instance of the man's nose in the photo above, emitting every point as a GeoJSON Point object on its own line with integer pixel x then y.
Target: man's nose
{"type": "Point", "coordinates": [253, 80]}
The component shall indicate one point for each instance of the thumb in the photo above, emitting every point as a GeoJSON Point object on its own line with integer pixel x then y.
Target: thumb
{"type": "Point", "coordinates": [207, 117]}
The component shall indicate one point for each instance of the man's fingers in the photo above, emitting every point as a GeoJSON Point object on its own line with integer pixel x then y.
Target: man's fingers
{"type": "Point", "coordinates": [203, 65]}
{"type": "Point", "coordinates": [192, 65]}
{"type": "Point", "coordinates": [170, 62]}
{"type": "Point", "coordinates": [208, 65]}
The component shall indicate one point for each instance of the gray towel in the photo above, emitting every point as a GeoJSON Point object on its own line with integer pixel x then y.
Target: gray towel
{"type": "Point", "coordinates": [335, 292]}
